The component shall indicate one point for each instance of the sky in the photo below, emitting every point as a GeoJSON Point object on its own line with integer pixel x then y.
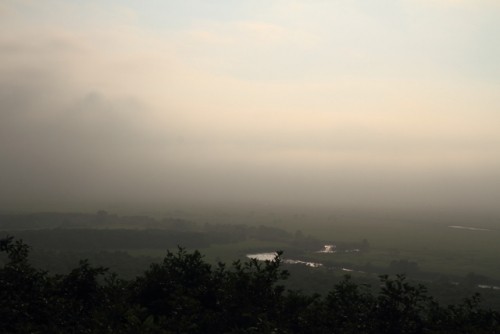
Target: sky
{"type": "Point", "coordinates": [347, 103]}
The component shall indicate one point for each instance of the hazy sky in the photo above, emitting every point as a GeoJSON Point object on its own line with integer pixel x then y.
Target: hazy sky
{"type": "Point", "coordinates": [341, 102]}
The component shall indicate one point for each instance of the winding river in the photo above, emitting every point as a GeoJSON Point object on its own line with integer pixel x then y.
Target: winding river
{"type": "Point", "coordinates": [270, 256]}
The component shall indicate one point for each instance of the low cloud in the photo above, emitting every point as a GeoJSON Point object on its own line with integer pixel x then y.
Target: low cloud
{"type": "Point", "coordinates": [125, 114]}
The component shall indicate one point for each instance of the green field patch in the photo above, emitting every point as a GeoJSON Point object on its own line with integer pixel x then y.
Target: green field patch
{"type": "Point", "coordinates": [233, 251]}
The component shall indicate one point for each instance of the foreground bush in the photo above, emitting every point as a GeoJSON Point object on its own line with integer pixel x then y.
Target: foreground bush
{"type": "Point", "coordinates": [183, 294]}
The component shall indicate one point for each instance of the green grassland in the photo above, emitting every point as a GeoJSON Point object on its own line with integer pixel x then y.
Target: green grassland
{"type": "Point", "coordinates": [421, 237]}
{"type": "Point", "coordinates": [435, 247]}
{"type": "Point", "coordinates": [226, 253]}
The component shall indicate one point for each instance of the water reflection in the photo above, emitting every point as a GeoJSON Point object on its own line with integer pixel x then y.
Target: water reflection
{"type": "Point", "coordinates": [329, 249]}
{"type": "Point", "coordinates": [272, 255]}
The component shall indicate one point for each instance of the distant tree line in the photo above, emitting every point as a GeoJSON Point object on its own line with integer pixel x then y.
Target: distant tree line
{"type": "Point", "coordinates": [184, 294]}
{"type": "Point", "coordinates": [99, 239]}
{"type": "Point", "coordinates": [47, 220]}
{"type": "Point", "coordinates": [75, 227]}
{"type": "Point", "coordinates": [108, 231]}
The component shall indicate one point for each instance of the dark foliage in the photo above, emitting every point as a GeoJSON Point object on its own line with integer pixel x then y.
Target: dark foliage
{"type": "Point", "coordinates": [184, 294]}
